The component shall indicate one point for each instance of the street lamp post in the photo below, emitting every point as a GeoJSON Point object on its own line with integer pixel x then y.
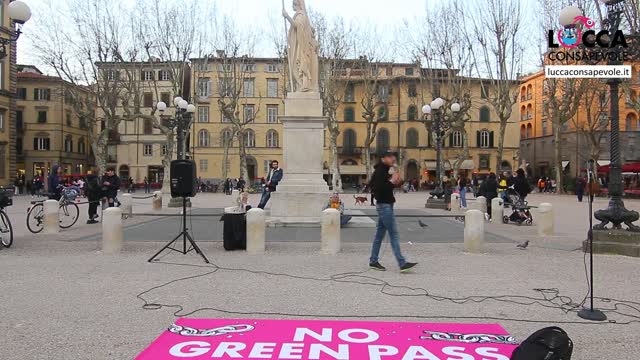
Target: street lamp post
{"type": "Point", "coordinates": [439, 125]}
{"type": "Point", "coordinates": [19, 13]}
{"type": "Point", "coordinates": [616, 213]}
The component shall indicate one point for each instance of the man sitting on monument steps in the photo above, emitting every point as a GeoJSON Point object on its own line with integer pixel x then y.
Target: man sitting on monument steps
{"type": "Point", "coordinates": [271, 182]}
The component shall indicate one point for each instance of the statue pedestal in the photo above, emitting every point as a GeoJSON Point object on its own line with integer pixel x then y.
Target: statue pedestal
{"type": "Point", "coordinates": [303, 193]}
{"type": "Point", "coordinates": [618, 242]}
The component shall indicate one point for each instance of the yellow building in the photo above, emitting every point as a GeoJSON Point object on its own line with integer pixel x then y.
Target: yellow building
{"type": "Point", "coordinates": [403, 129]}
{"type": "Point", "coordinates": [7, 101]}
{"type": "Point", "coordinates": [48, 130]}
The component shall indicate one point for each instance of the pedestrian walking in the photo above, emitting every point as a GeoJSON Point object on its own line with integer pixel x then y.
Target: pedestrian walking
{"type": "Point", "coordinates": [94, 194]}
{"type": "Point", "coordinates": [110, 185]}
{"type": "Point", "coordinates": [130, 185]}
{"type": "Point", "coordinates": [489, 189]}
{"type": "Point", "coordinates": [580, 187]}
{"type": "Point", "coordinates": [274, 176]}
{"type": "Point", "coordinates": [147, 186]}
{"type": "Point", "coordinates": [462, 187]}
{"type": "Point", "coordinates": [385, 178]}
{"type": "Point", "coordinates": [54, 182]}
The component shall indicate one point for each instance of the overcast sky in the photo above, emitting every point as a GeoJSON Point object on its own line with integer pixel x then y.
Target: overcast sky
{"type": "Point", "coordinates": [387, 15]}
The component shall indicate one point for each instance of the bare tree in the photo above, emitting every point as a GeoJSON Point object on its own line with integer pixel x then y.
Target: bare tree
{"type": "Point", "coordinates": [595, 124]}
{"type": "Point", "coordinates": [333, 38]}
{"type": "Point", "coordinates": [497, 32]}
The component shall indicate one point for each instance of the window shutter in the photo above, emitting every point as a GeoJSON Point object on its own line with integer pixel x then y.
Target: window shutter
{"type": "Point", "coordinates": [451, 140]}
{"type": "Point", "coordinates": [478, 139]}
{"type": "Point", "coordinates": [35, 94]}
{"type": "Point", "coordinates": [35, 143]}
{"type": "Point", "coordinates": [491, 139]}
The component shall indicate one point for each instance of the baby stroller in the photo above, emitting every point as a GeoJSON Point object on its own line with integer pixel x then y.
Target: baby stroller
{"type": "Point", "coordinates": [521, 212]}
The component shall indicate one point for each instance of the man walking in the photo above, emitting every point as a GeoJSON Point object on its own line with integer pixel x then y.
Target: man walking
{"type": "Point", "coordinates": [273, 178]}
{"type": "Point", "coordinates": [385, 178]}
{"type": "Point", "coordinates": [94, 194]}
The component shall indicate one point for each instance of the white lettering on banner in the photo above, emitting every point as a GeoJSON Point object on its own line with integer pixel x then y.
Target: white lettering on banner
{"type": "Point", "coordinates": [301, 332]}
{"type": "Point", "coordinates": [262, 350]}
{"type": "Point", "coordinates": [346, 336]}
{"type": "Point", "coordinates": [196, 348]}
{"type": "Point", "coordinates": [486, 351]}
{"type": "Point", "coordinates": [376, 352]}
{"type": "Point", "coordinates": [457, 351]}
{"type": "Point", "coordinates": [291, 351]}
{"type": "Point", "coordinates": [341, 354]}
{"type": "Point", "coordinates": [419, 353]}
{"type": "Point", "coordinates": [229, 349]}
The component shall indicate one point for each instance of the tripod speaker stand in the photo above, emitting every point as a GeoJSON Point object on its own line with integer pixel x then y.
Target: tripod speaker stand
{"type": "Point", "coordinates": [185, 237]}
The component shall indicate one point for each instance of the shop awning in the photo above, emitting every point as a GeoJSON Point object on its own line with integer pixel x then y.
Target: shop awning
{"type": "Point", "coordinates": [603, 162]}
{"type": "Point", "coordinates": [430, 165]}
{"type": "Point", "coordinates": [565, 164]}
{"type": "Point", "coordinates": [350, 170]}
{"type": "Point", "coordinates": [467, 165]}
{"type": "Point", "coordinates": [628, 168]}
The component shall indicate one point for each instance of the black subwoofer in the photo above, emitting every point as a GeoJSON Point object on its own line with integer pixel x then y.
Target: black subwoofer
{"type": "Point", "coordinates": [183, 178]}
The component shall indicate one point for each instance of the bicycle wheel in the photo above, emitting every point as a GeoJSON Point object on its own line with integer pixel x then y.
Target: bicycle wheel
{"type": "Point", "coordinates": [68, 215]}
{"type": "Point", "coordinates": [6, 230]}
{"type": "Point", "coordinates": [35, 218]}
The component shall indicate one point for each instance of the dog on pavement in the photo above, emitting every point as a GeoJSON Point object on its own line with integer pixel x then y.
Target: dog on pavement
{"type": "Point", "coordinates": [361, 200]}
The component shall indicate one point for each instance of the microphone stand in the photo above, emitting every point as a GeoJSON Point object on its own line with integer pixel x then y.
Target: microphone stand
{"type": "Point", "coordinates": [591, 313]}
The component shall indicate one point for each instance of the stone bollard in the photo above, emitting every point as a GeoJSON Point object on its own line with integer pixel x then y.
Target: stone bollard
{"type": "Point", "coordinates": [51, 218]}
{"type": "Point", "coordinates": [330, 233]}
{"type": "Point", "coordinates": [157, 200]}
{"type": "Point", "coordinates": [497, 210]}
{"type": "Point", "coordinates": [234, 197]}
{"type": "Point", "coordinates": [256, 231]}
{"type": "Point", "coordinates": [546, 220]}
{"type": "Point", "coordinates": [455, 203]}
{"type": "Point", "coordinates": [480, 204]}
{"type": "Point", "coordinates": [126, 204]}
{"type": "Point", "coordinates": [474, 231]}
{"type": "Point", "coordinates": [112, 230]}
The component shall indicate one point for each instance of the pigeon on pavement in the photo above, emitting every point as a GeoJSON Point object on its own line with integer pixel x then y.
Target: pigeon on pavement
{"type": "Point", "coordinates": [524, 245]}
{"type": "Point", "coordinates": [422, 224]}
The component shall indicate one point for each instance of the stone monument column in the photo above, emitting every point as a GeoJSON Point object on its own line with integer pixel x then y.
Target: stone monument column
{"type": "Point", "coordinates": [302, 194]}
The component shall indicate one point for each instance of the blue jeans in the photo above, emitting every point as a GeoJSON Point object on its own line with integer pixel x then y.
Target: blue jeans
{"type": "Point", "coordinates": [463, 197]}
{"type": "Point", "coordinates": [266, 195]}
{"type": "Point", "coordinates": [386, 222]}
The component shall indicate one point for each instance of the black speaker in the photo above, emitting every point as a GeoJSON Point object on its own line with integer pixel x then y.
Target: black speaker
{"type": "Point", "coordinates": [183, 178]}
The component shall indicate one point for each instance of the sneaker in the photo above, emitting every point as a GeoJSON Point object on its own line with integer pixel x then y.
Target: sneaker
{"type": "Point", "coordinates": [89, 222]}
{"type": "Point", "coordinates": [406, 267]}
{"type": "Point", "coordinates": [486, 216]}
{"type": "Point", "coordinates": [376, 266]}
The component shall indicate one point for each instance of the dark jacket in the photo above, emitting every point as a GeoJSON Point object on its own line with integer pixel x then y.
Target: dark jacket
{"type": "Point", "coordinates": [275, 178]}
{"type": "Point", "coordinates": [94, 189]}
{"type": "Point", "coordinates": [489, 189]}
{"type": "Point", "coordinates": [521, 186]}
{"type": "Point", "coordinates": [110, 190]}
{"type": "Point", "coordinates": [53, 181]}
{"type": "Point", "coordinates": [381, 187]}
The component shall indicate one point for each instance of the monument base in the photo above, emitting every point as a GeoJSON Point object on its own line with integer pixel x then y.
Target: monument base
{"type": "Point", "coordinates": [435, 203]}
{"type": "Point", "coordinates": [616, 242]}
{"type": "Point", "coordinates": [177, 202]}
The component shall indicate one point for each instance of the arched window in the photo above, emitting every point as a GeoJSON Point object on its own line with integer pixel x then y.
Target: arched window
{"type": "Point", "coordinates": [456, 139]}
{"type": "Point", "coordinates": [529, 133]}
{"type": "Point", "coordinates": [412, 113]}
{"type": "Point", "coordinates": [250, 138]}
{"type": "Point", "coordinates": [81, 146]}
{"type": "Point", "coordinates": [523, 113]}
{"type": "Point", "coordinates": [529, 112]}
{"type": "Point", "coordinates": [272, 139]}
{"type": "Point", "coordinates": [523, 132]}
{"type": "Point", "coordinates": [382, 141]}
{"type": "Point", "coordinates": [485, 114]}
{"type": "Point", "coordinates": [529, 92]}
{"type": "Point", "coordinates": [203, 138]}
{"type": "Point", "coordinates": [382, 113]}
{"type": "Point", "coordinates": [523, 94]}
{"type": "Point", "coordinates": [349, 115]}
{"type": "Point", "coordinates": [226, 137]}
{"type": "Point", "coordinates": [485, 139]}
{"type": "Point", "coordinates": [349, 93]}
{"type": "Point", "coordinates": [68, 144]}
{"type": "Point", "coordinates": [349, 139]}
{"type": "Point", "coordinates": [412, 138]}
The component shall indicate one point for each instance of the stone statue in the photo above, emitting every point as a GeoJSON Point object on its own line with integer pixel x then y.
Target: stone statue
{"type": "Point", "coordinates": [302, 50]}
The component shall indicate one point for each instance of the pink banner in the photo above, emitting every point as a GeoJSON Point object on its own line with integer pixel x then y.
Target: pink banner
{"type": "Point", "coordinates": [325, 340]}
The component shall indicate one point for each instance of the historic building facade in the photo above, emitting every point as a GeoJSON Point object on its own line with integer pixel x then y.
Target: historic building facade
{"type": "Point", "coordinates": [7, 101]}
{"type": "Point", "coordinates": [536, 131]}
{"type": "Point", "coordinates": [401, 128]}
{"type": "Point", "coordinates": [48, 131]}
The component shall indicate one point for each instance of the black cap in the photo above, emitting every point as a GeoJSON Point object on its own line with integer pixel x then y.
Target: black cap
{"type": "Point", "coordinates": [389, 153]}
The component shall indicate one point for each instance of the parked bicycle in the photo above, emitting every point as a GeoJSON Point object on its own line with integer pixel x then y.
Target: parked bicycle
{"type": "Point", "coordinates": [6, 230]}
{"type": "Point", "coordinates": [68, 211]}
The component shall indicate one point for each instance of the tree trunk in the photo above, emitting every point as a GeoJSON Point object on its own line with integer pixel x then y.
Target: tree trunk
{"type": "Point", "coordinates": [557, 157]}
{"type": "Point", "coordinates": [166, 162]}
{"type": "Point", "coordinates": [336, 178]}
{"type": "Point", "coordinates": [367, 163]}
{"type": "Point", "coordinates": [225, 159]}
{"type": "Point", "coordinates": [243, 158]}
{"type": "Point", "coordinates": [501, 135]}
